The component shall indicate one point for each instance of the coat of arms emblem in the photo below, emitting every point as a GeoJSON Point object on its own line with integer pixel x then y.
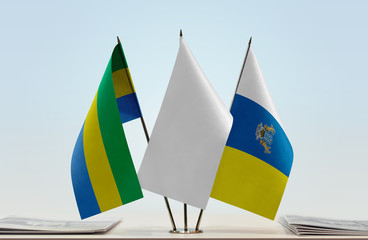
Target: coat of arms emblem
{"type": "Point", "coordinates": [265, 134]}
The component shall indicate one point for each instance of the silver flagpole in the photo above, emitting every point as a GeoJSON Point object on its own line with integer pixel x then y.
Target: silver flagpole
{"type": "Point", "coordinates": [147, 138]}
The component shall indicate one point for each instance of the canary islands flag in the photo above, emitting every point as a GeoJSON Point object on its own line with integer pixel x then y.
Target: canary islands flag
{"type": "Point", "coordinates": [257, 159]}
{"type": "Point", "coordinates": [102, 169]}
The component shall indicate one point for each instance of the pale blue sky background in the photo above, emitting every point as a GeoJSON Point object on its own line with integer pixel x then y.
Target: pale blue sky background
{"type": "Point", "coordinates": [313, 55]}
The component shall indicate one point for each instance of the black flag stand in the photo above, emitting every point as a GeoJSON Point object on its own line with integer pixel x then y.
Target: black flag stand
{"type": "Point", "coordinates": [147, 138]}
{"type": "Point", "coordinates": [186, 230]}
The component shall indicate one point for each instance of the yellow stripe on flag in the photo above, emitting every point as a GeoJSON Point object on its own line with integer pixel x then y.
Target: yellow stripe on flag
{"type": "Point", "coordinates": [122, 82]}
{"type": "Point", "coordinates": [98, 166]}
{"type": "Point", "coordinates": [249, 183]}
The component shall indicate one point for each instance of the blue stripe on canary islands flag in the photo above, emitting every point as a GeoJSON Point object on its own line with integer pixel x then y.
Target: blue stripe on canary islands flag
{"type": "Point", "coordinates": [248, 176]}
{"type": "Point", "coordinates": [243, 138]}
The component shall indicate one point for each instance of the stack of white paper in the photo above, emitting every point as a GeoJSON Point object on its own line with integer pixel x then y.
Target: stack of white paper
{"type": "Point", "coordinates": [41, 226]}
{"type": "Point", "coordinates": [322, 226]}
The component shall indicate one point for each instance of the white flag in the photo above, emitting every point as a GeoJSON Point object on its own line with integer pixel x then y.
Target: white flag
{"type": "Point", "coordinates": [188, 138]}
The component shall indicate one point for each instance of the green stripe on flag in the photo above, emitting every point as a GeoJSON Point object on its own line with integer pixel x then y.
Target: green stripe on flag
{"type": "Point", "coordinates": [114, 140]}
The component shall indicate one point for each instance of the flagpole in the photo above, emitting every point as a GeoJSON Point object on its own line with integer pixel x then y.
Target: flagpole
{"type": "Point", "coordinates": [148, 138]}
{"type": "Point", "coordinates": [185, 218]}
{"type": "Point", "coordinates": [199, 220]}
{"type": "Point", "coordinates": [185, 205]}
{"type": "Point", "coordinates": [170, 213]}
{"type": "Point", "coordinates": [242, 69]}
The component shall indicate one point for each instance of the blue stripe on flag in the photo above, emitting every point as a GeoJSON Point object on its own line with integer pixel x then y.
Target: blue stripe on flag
{"type": "Point", "coordinates": [83, 191]}
{"type": "Point", "coordinates": [128, 107]}
{"type": "Point", "coordinates": [247, 115]}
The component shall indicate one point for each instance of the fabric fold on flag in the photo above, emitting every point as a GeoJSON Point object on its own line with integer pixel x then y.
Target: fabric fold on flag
{"type": "Point", "coordinates": [188, 138]}
{"type": "Point", "coordinates": [102, 170]}
{"type": "Point", "coordinates": [258, 156]}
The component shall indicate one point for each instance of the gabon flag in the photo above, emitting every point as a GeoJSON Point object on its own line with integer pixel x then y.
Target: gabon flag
{"type": "Point", "coordinates": [102, 170]}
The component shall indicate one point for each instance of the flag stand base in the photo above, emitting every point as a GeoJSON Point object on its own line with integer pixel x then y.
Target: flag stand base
{"type": "Point", "coordinates": [185, 230]}
{"type": "Point", "coordinates": [182, 231]}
